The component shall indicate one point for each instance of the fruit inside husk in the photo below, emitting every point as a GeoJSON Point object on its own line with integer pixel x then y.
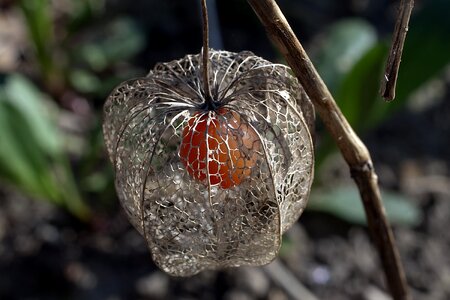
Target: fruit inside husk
{"type": "Point", "coordinates": [219, 148]}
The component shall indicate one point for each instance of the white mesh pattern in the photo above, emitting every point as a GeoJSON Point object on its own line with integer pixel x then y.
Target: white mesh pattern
{"type": "Point", "coordinates": [206, 188]}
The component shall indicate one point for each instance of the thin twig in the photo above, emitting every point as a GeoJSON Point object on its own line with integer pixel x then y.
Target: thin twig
{"type": "Point", "coordinates": [205, 52]}
{"type": "Point", "coordinates": [353, 150]}
{"type": "Point", "coordinates": [287, 281]}
{"type": "Point", "coordinates": [389, 80]}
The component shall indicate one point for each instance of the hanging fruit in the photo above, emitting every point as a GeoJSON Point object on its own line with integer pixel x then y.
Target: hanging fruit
{"type": "Point", "coordinates": [213, 157]}
{"type": "Point", "coordinates": [211, 187]}
{"type": "Point", "coordinates": [218, 147]}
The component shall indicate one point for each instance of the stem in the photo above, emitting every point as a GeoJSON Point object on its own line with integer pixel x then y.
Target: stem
{"type": "Point", "coordinates": [205, 57]}
{"type": "Point", "coordinates": [389, 81]}
{"type": "Point", "coordinates": [352, 148]}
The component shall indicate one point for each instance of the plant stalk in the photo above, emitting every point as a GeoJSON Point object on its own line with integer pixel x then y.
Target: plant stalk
{"type": "Point", "coordinates": [352, 148]}
{"type": "Point", "coordinates": [389, 80]}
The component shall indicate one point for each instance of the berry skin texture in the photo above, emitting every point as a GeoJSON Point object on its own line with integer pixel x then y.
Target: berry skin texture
{"type": "Point", "coordinates": [216, 144]}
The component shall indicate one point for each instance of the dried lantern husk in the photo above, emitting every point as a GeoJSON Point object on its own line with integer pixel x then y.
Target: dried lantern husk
{"type": "Point", "coordinates": [211, 188]}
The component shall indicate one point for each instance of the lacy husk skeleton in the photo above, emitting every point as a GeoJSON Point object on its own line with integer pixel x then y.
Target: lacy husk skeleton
{"type": "Point", "coordinates": [175, 195]}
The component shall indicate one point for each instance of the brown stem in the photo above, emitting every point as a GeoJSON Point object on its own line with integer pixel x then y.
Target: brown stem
{"type": "Point", "coordinates": [205, 52]}
{"type": "Point", "coordinates": [389, 80]}
{"type": "Point", "coordinates": [352, 148]}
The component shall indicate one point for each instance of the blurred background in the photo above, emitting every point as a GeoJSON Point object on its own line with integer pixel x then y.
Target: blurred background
{"type": "Point", "coordinates": [63, 234]}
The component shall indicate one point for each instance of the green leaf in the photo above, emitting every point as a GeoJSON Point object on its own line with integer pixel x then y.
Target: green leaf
{"type": "Point", "coordinates": [83, 12]}
{"type": "Point", "coordinates": [341, 47]}
{"type": "Point", "coordinates": [12, 164]}
{"type": "Point", "coordinates": [119, 40]}
{"type": "Point", "coordinates": [425, 56]}
{"type": "Point", "coordinates": [85, 81]}
{"type": "Point", "coordinates": [21, 157]}
{"type": "Point", "coordinates": [427, 49]}
{"type": "Point", "coordinates": [344, 202]}
{"type": "Point", "coordinates": [31, 154]}
{"type": "Point", "coordinates": [36, 110]}
{"type": "Point", "coordinates": [40, 27]}
{"type": "Point", "coordinates": [359, 90]}
{"type": "Point", "coordinates": [357, 97]}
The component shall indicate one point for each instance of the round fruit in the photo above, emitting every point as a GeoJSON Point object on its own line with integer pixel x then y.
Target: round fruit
{"type": "Point", "coordinates": [218, 146]}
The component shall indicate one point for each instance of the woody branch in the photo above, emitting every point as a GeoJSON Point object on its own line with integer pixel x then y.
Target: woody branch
{"type": "Point", "coordinates": [352, 148]}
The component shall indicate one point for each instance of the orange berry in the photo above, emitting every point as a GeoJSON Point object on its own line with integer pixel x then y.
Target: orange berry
{"type": "Point", "coordinates": [219, 146]}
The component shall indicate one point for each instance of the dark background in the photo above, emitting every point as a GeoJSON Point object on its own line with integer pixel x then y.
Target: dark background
{"type": "Point", "coordinates": [63, 234]}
